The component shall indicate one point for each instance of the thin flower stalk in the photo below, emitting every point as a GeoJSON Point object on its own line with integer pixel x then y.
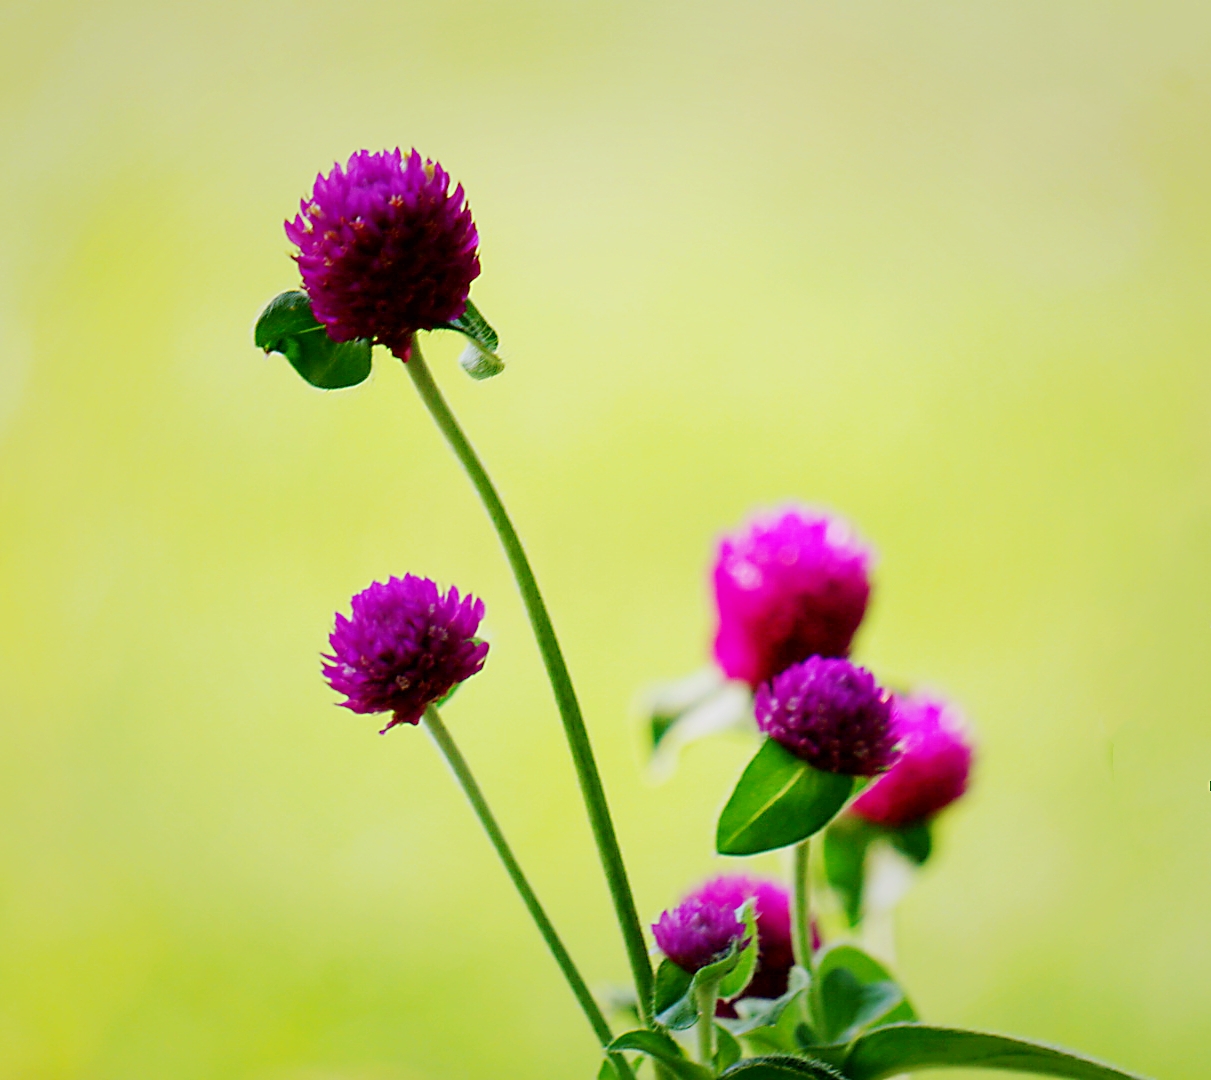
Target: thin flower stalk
{"type": "Point", "coordinates": [557, 672]}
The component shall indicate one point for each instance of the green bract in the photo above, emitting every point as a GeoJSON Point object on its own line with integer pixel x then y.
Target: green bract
{"type": "Point", "coordinates": [287, 326]}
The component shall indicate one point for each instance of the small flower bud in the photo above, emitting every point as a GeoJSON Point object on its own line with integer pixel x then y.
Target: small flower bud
{"type": "Point", "coordinates": [697, 932]}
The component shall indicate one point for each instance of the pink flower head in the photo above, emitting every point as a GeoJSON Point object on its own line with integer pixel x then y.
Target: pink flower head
{"type": "Point", "coordinates": [788, 586]}
{"type": "Point", "coordinates": [931, 771]}
{"type": "Point", "coordinates": [385, 248]}
{"type": "Point", "coordinates": [775, 954]}
{"type": "Point", "coordinates": [405, 647]}
{"type": "Point", "coordinates": [831, 714]}
{"type": "Point", "coordinates": [698, 931]}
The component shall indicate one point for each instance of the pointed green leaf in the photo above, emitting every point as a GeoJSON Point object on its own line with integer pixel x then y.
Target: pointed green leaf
{"type": "Point", "coordinates": [287, 326]}
{"type": "Point", "coordinates": [778, 801]}
{"type": "Point", "coordinates": [845, 845]}
{"type": "Point", "coordinates": [848, 1004]}
{"type": "Point", "coordinates": [766, 1012]}
{"type": "Point", "coordinates": [781, 1067]}
{"type": "Point", "coordinates": [607, 1070]}
{"type": "Point", "coordinates": [658, 1045]}
{"type": "Point", "coordinates": [902, 1048]}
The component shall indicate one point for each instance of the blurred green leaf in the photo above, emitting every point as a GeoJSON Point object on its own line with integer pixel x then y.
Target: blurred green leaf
{"type": "Point", "coordinates": [914, 842]}
{"type": "Point", "coordinates": [287, 326]}
{"type": "Point", "coordinates": [778, 801]}
{"type": "Point", "coordinates": [781, 1067]}
{"type": "Point", "coordinates": [868, 971]}
{"type": "Point", "coordinates": [904, 1048]}
{"type": "Point", "coordinates": [848, 1005]}
{"type": "Point", "coordinates": [845, 844]}
{"type": "Point", "coordinates": [757, 1013]}
{"type": "Point", "coordinates": [665, 1049]}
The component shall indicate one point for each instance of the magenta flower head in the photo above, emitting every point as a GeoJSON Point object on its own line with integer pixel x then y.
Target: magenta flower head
{"type": "Point", "coordinates": [385, 248]}
{"type": "Point", "coordinates": [931, 771]}
{"type": "Point", "coordinates": [775, 954]}
{"type": "Point", "coordinates": [787, 587]}
{"type": "Point", "coordinates": [405, 647]}
{"type": "Point", "coordinates": [698, 931]}
{"type": "Point", "coordinates": [831, 714]}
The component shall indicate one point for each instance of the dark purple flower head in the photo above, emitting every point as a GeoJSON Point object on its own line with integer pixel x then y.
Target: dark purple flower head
{"type": "Point", "coordinates": [787, 587]}
{"type": "Point", "coordinates": [405, 647]}
{"type": "Point", "coordinates": [385, 248]}
{"type": "Point", "coordinates": [698, 931]}
{"type": "Point", "coordinates": [931, 771]}
{"type": "Point", "coordinates": [831, 714]}
{"type": "Point", "coordinates": [775, 954]}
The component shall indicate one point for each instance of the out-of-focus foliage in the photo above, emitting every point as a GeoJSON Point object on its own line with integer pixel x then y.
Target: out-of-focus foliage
{"type": "Point", "coordinates": [942, 268]}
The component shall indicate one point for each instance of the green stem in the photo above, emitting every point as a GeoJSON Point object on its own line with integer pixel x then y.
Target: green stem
{"type": "Point", "coordinates": [561, 682]}
{"type": "Point", "coordinates": [707, 994]}
{"type": "Point", "coordinates": [801, 915]}
{"type": "Point", "coordinates": [475, 796]}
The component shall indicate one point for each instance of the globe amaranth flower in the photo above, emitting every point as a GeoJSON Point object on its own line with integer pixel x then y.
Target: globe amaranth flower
{"type": "Point", "coordinates": [931, 771]}
{"type": "Point", "coordinates": [698, 931]}
{"type": "Point", "coordinates": [788, 586]}
{"type": "Point", "coordinates": [385, 248]}
{"type": "Point", "coordinates": [831, 714]}
{"type": "Point", "coordinates": [775, 953]}
{"type": "Point", "coordinates": [405, 647]}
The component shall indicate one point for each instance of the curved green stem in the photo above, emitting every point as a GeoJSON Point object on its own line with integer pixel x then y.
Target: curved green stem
{"type": "Point", "coordinates": [801, 913]}
{"type": "Point", "coordinates": [707, 995]}
{"type": "Point", "coordinates": [475, 796]}
{"type": "Point", "coordinates": [561, 682]}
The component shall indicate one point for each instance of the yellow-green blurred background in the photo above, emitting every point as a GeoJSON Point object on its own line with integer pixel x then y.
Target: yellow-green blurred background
{"type": "Point", "coordinates": [941, 267]}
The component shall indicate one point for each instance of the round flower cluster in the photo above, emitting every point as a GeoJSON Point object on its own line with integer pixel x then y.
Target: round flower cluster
{"type": "Point", "coordinates": [788, 587]}
{"type": "Point", "coordinates": [405, 647]}
{"type": "Point", "coordinates": [931, 771]}
{"type": "Point", "coordinates": [831, 714]}
{"type": "Point", "coordinates": [700, 930]}
{"type": "Point", "coordinates": [385, 248]}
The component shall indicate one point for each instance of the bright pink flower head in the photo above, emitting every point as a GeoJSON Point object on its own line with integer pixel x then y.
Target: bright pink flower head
{"type": "Point", "coordinates": [385, 248]}
{"type": "Point", "coordinates": [405, 647]}
{"type": "Point", "coordinates": [698, 931]}
{"type": "Point", "coordinates": [787, 587]}
{"type": "Point", "coordinates": [831, 714]}
{"type": "Point", "coordinates": [775, 955]}
{"type": "Point", "coordinates": [931, 771]}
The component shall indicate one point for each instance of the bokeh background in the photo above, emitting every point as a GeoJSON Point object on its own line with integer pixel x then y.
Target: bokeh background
{"type": "Point", "coordinates": [943, 268]}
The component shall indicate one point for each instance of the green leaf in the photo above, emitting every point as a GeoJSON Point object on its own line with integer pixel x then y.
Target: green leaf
{"type": "Point", "coordinates": [672, 983]}
{"type": "Point", "coordinates": [757, 1013]}
{"type": "Point", "coordinates": [901, 1048]}
{"type": "Point", "coordinates": [780, 1067]}
{"type": "Point", "coordinates": [849, 1005]}
{"type": "Point", "coordinates": [869, 972]}
{"type": "Point", "coordinates": [727, 1049]}
{"type": "Point", "coordinates": [914, 842]}
{"type": "Point", "coordinates": [733, 983]}
{"type": "Point", "coordinates": [665, 1049]}
{"type": "Point", "coordinates": [287, 326]}
{"type": "Point", "coordinates": [607, 1070]}
{"type": "Point", "coordinates": [779, 800]}
{"type": "Point", "coordinates": [845, 845]}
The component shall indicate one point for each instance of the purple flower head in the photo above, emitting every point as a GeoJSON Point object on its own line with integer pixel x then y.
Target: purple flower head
{"type": "Point", "coordinates": [931, 771]}
{"type": "Point", "coordinates": [405, 647]}
{"type": "Point", "coordinates": [385, 248]}
{"type": "Point", "coordinates": [698, 931]}
{"type": "Point", "coordinates": [788, 586]}
{"type": "Point", "coordinates": [775, 955]}
{"type": "Point", "coordinates": [831, 714]}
